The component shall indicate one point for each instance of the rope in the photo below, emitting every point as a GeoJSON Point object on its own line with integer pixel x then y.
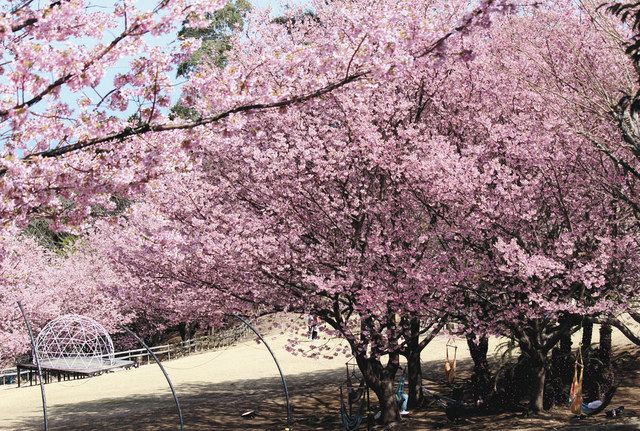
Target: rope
{"type": "Point", "coordinates": [208, 361]}
{"type": "Point", "coordinates": [576, 385]}
{"type": "Point", "coordinates": [450, 367]}
{"type": "Point", "coordinates": [220, 353]}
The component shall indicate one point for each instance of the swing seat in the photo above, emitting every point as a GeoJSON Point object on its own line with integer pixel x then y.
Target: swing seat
{"type": "Point", "coordinates": [352, 422]}
{"type": "Point", "coordinates": [604, 403]}
{"type": "Point", "coordinates": [450, 365]}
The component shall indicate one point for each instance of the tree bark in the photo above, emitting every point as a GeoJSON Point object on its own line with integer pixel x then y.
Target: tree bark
{"type": "Point", "coordinates": [414, 366]}
{"type": "Point", "coordinates": [561, 371]}
{"type": "Point", "coordinates": [624, 329]}
{"type": "Point", "coordinates": [538, 377]}
{"type": "Point", "coordinates": [187, 330]}
{"type": "Point", "coordinates": [605, 344]}
{"type": "Point", "coordinates": [386, 393]}
{"type": "Point", "coordinates": [412, 352]}
{"type": "Point", "coordinates": [414, 377]}
{"type": "Point", "coordinates": [587, 334]}
{"type": "Point", "coordinates": [536, 341]}
{"type": "Point", "coordinates": [381, 380]}
{"type": "Point", "coordinates": [481, 378]}
{"type": "Point", "coordinates": [182, 329]}
{"type": "Point", "coordinates": [605, 374]}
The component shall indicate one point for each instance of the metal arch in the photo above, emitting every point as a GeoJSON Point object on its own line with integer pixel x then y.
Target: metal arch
{"type": "Point", "coordinates": [37, 361]}
{"type": "Point", "coordinates": [166, 375]}
{"type": "Point", "coordinates": [284, 382]}
{"type": "Point", "coordinates": [155, 358]}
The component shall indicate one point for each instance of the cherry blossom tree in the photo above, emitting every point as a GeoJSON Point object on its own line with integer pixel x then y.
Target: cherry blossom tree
{"type": "Point", "coordinates": [20, 275]}
{"type": "Point", "coordinates": [540, 238]}
{"type": "Point", "coordinates": [49, 285]}
{"type": "Point", "coordinates": [378, 167]}
{"type": "Point", "coordinates": [320, 210]}
{"type": "Point", "coordinates": [74, 135]}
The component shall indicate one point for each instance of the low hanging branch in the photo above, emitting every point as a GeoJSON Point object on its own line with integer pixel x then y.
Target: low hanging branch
{"type": "Point", "coordinates": [147, 128]}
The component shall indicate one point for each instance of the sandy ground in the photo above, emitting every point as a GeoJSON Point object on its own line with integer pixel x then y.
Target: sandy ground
{"type": "Point", "coordinates": [215, 387]}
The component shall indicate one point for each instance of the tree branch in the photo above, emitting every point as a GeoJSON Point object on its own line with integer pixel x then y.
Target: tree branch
{"type": "Point", "coordinates": [146, 128]}
{"type": "Point", "coordinates": [622, 328]}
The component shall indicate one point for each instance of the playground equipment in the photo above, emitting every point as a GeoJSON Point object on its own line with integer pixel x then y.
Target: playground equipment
{"type": "Point", "coordinates": [576, 399]}
{"type": "Point", "coordinates": [73, 342]}
{"type": "Point", "coordinates": [69, 344]}
{"type": "Point", "coordinates": [79, 345]}
{"type": "Point", "coordinates": [576, 384]}
{"type": "Point", "coordinates": [273, 356]}
{"type": "Point", "coordinates": [352, 418]}
{"type": "Point", "coordinates": [450, 365]}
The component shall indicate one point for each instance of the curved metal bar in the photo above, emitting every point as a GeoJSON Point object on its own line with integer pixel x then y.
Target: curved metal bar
{"type": "Point", "coordinates": [284, 382]}
{"type": "Point", "coordinates": [166, 375]}
{"type": "Point", "coordinates": [37, 361]}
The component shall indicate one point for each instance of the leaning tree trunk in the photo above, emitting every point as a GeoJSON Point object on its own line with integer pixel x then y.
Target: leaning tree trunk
{"type": "Point", "coordinates": [481, 379]}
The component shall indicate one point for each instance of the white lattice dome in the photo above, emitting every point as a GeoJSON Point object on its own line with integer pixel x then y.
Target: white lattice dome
{"type": "Point", "coordinates": [74, 342]}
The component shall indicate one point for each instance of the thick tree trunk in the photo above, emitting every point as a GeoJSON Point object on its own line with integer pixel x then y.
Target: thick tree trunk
{"type": "Point", "coordinates": [538, 376]}
{"type": "Point", "coordinates": [414, 366]}
{"type": "Point", "coordinates": [601, 371]}
{"type": "Point", "coordinates": [604, 353]}
{"type": "Point", "coordinates": [414, 377]}
{"type": "Point", "coordinates": [561, 372]}
{"type": "Point", "coordinates": [536, 341]}
{"type": "Point", "coordinates": [481, 379]}
{"type": "Point", "coordinates": [182, 329]}
{"type": "Point", "coordinates": [567, 359]}
{"type": "Point", "coordinates": [587, 333]}
{"type": "Point", "coordinates": [381, 379]}
{"type": "Point", "coordinates": [386, 393]}
{"type": "Point", "coordinates": [187, 330]}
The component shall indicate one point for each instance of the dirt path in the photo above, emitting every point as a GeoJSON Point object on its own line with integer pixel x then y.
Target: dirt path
{"type": "Point", "coordinates": [217, 386]}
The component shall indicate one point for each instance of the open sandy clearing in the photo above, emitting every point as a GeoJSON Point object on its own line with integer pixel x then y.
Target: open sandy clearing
{"type": "Point", "coordinates": [215, 387]}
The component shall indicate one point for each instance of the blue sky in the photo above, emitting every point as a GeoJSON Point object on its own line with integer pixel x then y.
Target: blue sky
{"type": "Point", "coordinates": [277, 6]}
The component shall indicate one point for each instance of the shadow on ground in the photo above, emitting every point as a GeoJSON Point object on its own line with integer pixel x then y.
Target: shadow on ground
{"type": "Point", "coordinates": [315, 400]}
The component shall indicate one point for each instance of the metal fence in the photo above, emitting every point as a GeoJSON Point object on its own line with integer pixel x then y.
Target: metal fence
{"type": "Point", "coordinates": [215, 340]}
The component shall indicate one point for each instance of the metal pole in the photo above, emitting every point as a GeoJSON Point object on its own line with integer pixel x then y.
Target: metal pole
{"type": "Point", "coordinates": [284, 382]}
{"type": "Point", "coordinates": [37, 361]}
{"type": "Point", "coordinates": [166, 375]}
